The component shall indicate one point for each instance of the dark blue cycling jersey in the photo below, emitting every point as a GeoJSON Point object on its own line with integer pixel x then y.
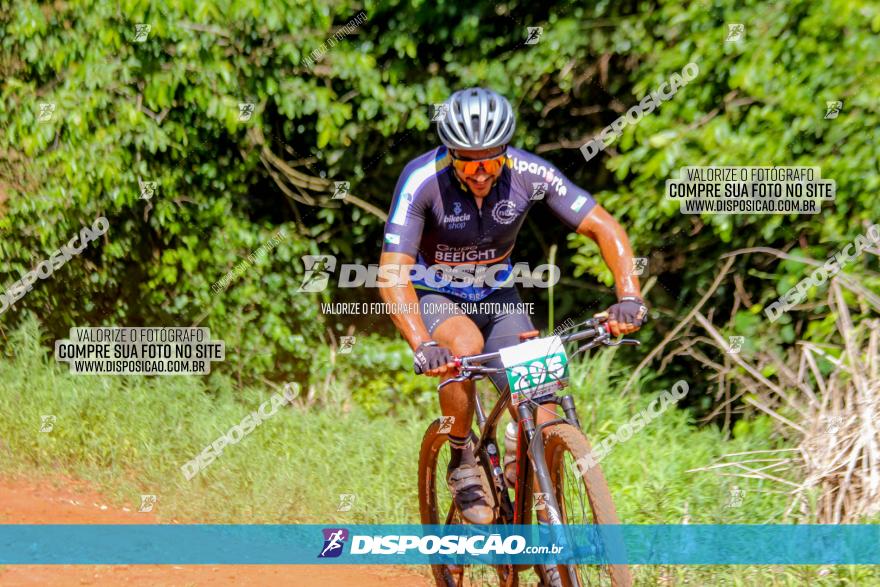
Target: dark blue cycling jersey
{"type": "Point", "coordinates": [434, 217]}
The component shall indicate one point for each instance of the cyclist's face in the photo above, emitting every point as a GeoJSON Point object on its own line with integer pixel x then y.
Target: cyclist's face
{"type": "Point", "coordinates": [480, 181]}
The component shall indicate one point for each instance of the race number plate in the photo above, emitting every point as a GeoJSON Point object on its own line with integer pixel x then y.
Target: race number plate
{"type": "Point", "coordinates": [535, 368]}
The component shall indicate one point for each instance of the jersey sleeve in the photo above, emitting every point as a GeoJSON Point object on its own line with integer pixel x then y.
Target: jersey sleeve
{"type": "Point", "coordinates": [406, 218]}
{"type": "Point", "coordinates": [572, 208]}
{"type": "Point", "coordinates": [567, 201]}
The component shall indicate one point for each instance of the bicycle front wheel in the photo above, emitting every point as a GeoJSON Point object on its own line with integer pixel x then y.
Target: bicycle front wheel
{"type": "Point", "coordinates": [435, 500]}
{"type": "Point", "coordinates": [583, 499]}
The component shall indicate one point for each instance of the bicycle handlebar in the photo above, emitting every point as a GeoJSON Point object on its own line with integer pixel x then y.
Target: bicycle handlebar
{"type": "Point", "coordinates": [596, 330]}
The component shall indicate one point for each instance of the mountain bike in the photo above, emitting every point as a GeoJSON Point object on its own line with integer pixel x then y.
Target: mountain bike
{"type": "Point", "coordinates": [545, 455]}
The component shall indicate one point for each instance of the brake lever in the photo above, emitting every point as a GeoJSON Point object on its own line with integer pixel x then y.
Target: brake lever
{"type": "Point", "coordinates": [458, 379]}
{"type": "Point", "coordinates": [462, 376]}
{"type": "Point", "coordinates": [625, 341]}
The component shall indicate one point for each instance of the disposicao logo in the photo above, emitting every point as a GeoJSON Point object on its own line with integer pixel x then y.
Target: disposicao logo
{"type": "Point", "coordinates": [334, 540]}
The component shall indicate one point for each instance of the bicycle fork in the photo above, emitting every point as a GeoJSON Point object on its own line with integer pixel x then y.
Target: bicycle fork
{"type": "Point", "coordinates": [538, 460]}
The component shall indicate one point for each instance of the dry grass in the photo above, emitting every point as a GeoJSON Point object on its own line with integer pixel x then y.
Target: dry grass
{"type": "Point", "coordinates": [824, 398]}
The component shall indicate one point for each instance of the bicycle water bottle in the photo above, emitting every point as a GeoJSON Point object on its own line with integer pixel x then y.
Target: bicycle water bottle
{"type": "Point", "coordinates": [510, 434]}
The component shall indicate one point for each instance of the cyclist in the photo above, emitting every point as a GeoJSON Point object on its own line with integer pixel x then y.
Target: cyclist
{"type": "Point", "coordinates": [462, 205]}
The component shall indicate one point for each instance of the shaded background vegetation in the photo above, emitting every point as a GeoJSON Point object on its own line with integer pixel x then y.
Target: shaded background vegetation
{"type": "Point", "coordinates": [166, 110]}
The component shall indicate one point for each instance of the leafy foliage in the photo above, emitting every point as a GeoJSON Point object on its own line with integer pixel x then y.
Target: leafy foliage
{"type": "Point", "coordinates": [167, 110]}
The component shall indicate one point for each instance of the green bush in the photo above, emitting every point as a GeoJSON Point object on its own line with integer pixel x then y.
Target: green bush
{"type": "Point", "coordinates": [167, 110]}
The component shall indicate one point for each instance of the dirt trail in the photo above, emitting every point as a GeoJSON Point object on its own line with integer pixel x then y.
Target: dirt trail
{"type": "Point", "coordinates": [66, 501]}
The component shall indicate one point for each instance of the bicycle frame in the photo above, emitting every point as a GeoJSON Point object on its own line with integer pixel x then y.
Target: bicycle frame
{"type": "Point", "coordinates": [529, 451]}
{"type": "Point", "coordinates": [530, 455]}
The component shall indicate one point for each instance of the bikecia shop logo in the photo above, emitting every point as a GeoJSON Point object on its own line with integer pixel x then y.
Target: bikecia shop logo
{"type": "Point", "coordinates": [47, 423]}
{"type": "Point", "coordinates": [736, 344]}
{"type": "Point", "coordinates": [534, 34]}
{"type": "Point", "coordinates": [832, 109]}
{"type": "Point", "coordinates": [245, 111]}
{"type": "Point", "coordinates": [334, 540]}
{"type": "Point", "coordinates": [438, 112]}
{"type": "Point", "coordinates": [318, 269]}
{"type": "Point", "coordinates": [504, 212]}
{"type": "Point", "coordinates": [735, 31]}
{"type": "Point", "coordinates": [47, 109]}
{"type": "Point", "coordinates": [141, 31]}
{"type": "Point", "coordinates": [456, 220]}
{"type": "Point", "coordinates": [539, 190]}
{"type": "Point", "coordinates": [148, 189]}
{"type": "Point", "coordinates": [341, 189]}
{"type": "Point", "coordinates": [147, 503]}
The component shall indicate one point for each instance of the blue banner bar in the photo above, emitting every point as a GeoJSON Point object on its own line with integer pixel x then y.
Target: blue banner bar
{"type": "Point", "coordinates": [417, 544]}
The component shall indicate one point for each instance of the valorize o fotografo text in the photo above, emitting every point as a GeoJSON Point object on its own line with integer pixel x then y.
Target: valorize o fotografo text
{"type": "Point", "coordinates": [141, 350]}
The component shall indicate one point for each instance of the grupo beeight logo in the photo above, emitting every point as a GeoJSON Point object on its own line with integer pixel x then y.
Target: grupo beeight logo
{"type": "Point", "coordinates": [334, 540]}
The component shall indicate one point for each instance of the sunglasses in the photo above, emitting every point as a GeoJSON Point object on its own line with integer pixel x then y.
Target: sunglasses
{"type": "Point", "coordinates": [490, 165]}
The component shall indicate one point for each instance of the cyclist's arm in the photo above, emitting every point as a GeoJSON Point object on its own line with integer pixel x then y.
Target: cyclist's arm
{"type": "Point", "coordinates": [398, 292]}
{"type": "Point", "coordinates": [627, 315]}
{"type": "Point", "coordinates": [614, 245]}
{"type": "Point", "coordinates": [403, 235]}
{"type": "Point", "coordinates": [578, 210]}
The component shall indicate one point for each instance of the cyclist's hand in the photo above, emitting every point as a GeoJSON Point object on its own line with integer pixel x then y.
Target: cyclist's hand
{"type": "Point", "coordinates": [433, 359]}
{"type": "Point", "coordinates": [627, 315]}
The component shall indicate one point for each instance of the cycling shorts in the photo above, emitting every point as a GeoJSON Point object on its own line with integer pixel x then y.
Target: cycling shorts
{"type": "Point", "coordinates": [500, 316]}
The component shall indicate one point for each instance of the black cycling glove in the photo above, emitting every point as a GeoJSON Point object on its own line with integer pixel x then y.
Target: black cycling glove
{"type": "Point", "coordinates": [629, 310]}
{"type": "Point", "coordinates": [429, 355]}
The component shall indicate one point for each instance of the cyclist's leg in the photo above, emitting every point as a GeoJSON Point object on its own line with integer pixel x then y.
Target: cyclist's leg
{"type": "Point", "coordinates": [503, 330]}
{"type": "Point", "coordinates": [449, 326]}
{"type": "Point", "coordinates": [462, 337]}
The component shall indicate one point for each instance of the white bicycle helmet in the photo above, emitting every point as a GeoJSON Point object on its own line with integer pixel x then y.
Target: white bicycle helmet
{"type": "Point", "coordinates": [476, 118]}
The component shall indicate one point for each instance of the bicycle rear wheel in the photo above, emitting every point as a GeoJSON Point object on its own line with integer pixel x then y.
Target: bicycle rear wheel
{"type": "Point", "coordinates": [583, 499]}
{"type": "Point", "coordinates": [434, 502]}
